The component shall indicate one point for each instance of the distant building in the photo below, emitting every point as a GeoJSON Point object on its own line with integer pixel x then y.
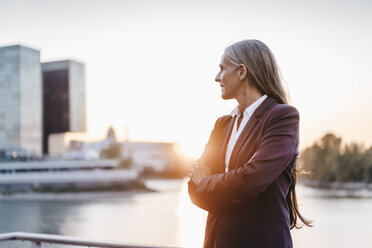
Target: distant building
{"type": "Point", "coordinates": [51, 176]}
{"type": "Point", "coordinates": [77, 151]}
{"type": "Point", "coordinates": [20, 102]}
{"type": "Point", "coordinates": [64, 103]}
{"type": "Point", "coordinates": [154, 155]}
{"type": "Point", "coordinates": [75, 145]}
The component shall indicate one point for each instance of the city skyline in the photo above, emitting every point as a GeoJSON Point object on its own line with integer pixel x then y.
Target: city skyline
{"type": "Point", "coordinates": [39, 102]}
{"type": "Point", "coordinates": [151, 65]}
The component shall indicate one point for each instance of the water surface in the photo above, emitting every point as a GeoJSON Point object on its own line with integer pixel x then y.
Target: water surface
{"type": "Point", "coordinates": [168, 217]}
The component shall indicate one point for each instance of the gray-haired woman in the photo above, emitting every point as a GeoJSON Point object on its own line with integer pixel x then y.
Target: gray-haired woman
{"type": "Point", "coordinates": [246, 176]}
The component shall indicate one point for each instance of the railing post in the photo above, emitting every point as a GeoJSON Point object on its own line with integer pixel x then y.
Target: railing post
{"type": "Point", "coordinates": [35, 244]}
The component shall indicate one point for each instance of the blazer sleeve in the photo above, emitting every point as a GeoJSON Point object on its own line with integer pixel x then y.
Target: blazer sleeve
{"type": "Point", "coordinates": [277, 148]}
{"type": "Point", "coordinates": [207, 156]}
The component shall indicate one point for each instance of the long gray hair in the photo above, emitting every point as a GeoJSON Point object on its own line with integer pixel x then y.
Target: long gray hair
{"type": "Point", "coordinates": [263, 72]}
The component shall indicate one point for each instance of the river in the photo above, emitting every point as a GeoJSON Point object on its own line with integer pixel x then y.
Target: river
{"type": "Point", "coordinates": [168, 217]}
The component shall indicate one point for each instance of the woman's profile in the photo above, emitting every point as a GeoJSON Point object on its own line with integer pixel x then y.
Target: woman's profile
{"type": "Point", "coordinates": [246, 176]}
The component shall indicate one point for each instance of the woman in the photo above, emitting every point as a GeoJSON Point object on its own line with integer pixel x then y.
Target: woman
{"type": "Point", "coordinates": [246, 176]}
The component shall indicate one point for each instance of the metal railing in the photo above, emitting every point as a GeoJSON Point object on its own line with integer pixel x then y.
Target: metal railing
{"type": "Point", "coordinates": [38, 239]}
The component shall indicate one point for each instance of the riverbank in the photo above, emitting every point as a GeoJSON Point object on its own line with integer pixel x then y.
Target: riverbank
{"type": "Point", "coordinates": [77, 196]}
{"type": "Point", "coordinates": [76, 187]}
{"type": "Point", "coordinates": [145, 186]}
{"type": "Point", "coordinates": [339, 189]}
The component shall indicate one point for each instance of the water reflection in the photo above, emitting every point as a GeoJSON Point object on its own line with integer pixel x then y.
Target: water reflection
{"type": "Point", "coordinates": [192, 220]}
{"type": "Point", "coordinates": [28, 216]}
{"type": "Point", "coordinates": [338, 222]}
{"type": "Point", "coordinates": [168, 217]}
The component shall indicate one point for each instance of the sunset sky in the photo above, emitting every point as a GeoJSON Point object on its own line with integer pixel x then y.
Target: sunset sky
{"type": "Point", "coordinates": [150, 65]}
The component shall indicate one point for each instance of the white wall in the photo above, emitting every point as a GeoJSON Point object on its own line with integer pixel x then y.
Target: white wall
{"type": "Point", "coordinates": [77, 97]}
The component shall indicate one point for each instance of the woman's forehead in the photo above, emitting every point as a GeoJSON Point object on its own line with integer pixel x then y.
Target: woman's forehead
{"type": "Point", "coordinates": [225, 60]}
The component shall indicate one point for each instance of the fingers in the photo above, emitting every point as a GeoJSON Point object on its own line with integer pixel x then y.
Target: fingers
{"type": "Point", "coordinates": [192, 171]}
{"type": "Point", "coordinates": [194, 168]}
{"type": "Point", "coordinates": [198, 168]}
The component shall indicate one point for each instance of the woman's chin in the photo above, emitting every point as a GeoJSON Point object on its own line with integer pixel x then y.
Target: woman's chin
{"type": "Point", "coordinates": [225, 96]}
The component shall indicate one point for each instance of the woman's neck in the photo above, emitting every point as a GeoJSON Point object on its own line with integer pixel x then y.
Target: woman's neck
{"type": "Point", "coordinates": [248, 98]}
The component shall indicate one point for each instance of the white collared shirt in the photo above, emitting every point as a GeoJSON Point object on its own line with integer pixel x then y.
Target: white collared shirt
{"type": "Point", "coordinates": [248, 112]}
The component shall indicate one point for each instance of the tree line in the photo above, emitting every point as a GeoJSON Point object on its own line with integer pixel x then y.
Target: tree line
{"type": "Point", "coordinates": [329, 160]}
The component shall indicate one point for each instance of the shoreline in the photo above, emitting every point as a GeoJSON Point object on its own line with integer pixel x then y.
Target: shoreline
{"type": "Point", "coordinates": [337, 189]}
{"type": "Point", "coordinates": [336, 185]}
{"type": "Point", "coordinates": [70, 196]}
{"type": "Point", "coordinates": [85, 195]}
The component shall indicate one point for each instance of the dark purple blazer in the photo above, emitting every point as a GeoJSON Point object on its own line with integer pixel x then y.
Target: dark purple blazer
{"type": "Point", "coordinates": [247, 205]}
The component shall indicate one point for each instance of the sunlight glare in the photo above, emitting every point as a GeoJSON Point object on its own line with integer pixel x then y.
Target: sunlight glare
{"type": "Point", "coordinates": [191, 220]}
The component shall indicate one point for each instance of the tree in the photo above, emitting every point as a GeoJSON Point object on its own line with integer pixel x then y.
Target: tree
{"type": "Point", "coordinates": [367, 160]}
{"type": "Point", "coordinates": [126, 163]}
{"type": "Point", "coordinates": [351, 164]}
{"type": "Point", "coordinates": [112, 152]}
{"type": "Point", "coordinates": [322, 158]}
{"type": "Point", "coordinates": [328, 161]}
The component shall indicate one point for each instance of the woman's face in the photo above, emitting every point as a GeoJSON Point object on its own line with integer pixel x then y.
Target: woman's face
{"type": "Point", "coordinates": [229, 79]}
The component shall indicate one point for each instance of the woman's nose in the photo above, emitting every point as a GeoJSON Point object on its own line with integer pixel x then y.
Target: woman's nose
{"type": "Point", "coordinates": [217, 78]}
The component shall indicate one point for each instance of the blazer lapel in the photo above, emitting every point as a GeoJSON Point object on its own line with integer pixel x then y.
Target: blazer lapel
{"type": "Point", "coordinates": [248, 128]}
{"type": "Point", "coordinates": [226, 137]}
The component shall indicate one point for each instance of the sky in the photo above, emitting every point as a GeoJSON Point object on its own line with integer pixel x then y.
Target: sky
{"type": "Point", "coordinates": [150, 65]}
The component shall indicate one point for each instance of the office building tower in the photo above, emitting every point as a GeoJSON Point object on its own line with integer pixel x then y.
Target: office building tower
{"type": "Point", "coordinates": [20, 102]}
{"type": "Point", "coordinates": [64, 102]}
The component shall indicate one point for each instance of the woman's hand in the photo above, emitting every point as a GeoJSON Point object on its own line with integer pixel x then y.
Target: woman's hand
{"type": "Point", "coordinates": [199, 171]}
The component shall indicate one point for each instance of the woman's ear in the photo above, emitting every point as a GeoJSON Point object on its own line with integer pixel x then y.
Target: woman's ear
{"type": "Point", "coordinates": [242, 71]}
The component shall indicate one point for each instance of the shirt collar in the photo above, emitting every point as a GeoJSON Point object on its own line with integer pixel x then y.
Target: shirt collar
{"type": "Point", "coordinates": [250, 109]}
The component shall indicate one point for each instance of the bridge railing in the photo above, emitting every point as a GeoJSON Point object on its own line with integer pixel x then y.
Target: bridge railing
{"type": "Point", "coordinates": [36, 240]}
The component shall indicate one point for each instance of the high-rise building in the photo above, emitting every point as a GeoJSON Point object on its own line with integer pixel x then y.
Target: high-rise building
{"type": "Point", "coordinates": [64, 102]}
{"type": "Point", "coordinates": [20, 102]}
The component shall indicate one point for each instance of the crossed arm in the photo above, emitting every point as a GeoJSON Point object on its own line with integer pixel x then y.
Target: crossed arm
{"type": "Point", "coordinates": [277, 148]}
